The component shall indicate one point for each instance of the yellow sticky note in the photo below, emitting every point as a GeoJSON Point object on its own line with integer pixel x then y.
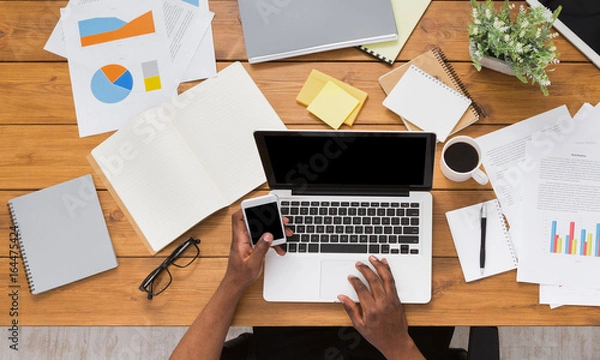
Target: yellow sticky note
{"type": "Point", "coordinates": [315, 83]}
{"type": "Point", "coordinates": [152, 83]}
{"type": "Point", "coordinates": [333, 105]}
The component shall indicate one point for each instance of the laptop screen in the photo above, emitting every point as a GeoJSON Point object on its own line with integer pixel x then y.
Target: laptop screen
{"type": "Point", "coordinates": [579, 22]}
{"type": "Point", "coordinates": [349, 161]}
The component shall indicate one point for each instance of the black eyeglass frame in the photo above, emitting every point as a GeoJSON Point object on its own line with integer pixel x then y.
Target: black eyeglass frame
{"type": "Point", "coordinates": [146, 285]}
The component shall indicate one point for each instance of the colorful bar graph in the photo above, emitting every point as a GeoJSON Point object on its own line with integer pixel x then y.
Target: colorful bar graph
{"type": "Point", "coordinates": [562, 239]}
{"type": "Point", "coordinates": [598, 240]}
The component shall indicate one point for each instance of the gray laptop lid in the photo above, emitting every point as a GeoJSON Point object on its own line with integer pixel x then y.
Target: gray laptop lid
{"type": "Point", "coordinates": [285, 28]}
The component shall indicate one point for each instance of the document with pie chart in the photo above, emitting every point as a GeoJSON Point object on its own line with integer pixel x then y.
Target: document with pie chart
{"type": "Point", "coordinates": [119, 62]}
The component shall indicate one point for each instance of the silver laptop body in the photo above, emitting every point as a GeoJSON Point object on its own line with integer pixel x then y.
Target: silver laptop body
{"type": "Point", "coordinates": [328, 183]}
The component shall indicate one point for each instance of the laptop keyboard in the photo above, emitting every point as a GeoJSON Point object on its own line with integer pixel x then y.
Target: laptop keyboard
{"type": "Point", "coordinates": [352, 227]}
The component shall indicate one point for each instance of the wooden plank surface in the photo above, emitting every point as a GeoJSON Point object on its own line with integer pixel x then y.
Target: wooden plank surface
{"type": "Point", "coordinates": [26, 25]}
{"type": "Point", "coordinates": [113, 298]}
{"type": "Point", "coordinates": [39, 147]}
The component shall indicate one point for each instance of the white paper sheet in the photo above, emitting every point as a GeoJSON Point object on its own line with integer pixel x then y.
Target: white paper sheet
{"type": "Point", "coordinates": [465, 226]}
{"type": "Point", "coordinates": [506, 163]}
{"type": "Point", "coordinates": [562, 200]}
{"type": "Point", "coordinates": [203, 62]}
{"type": "Point", "coordinates": [556, 296]}
{"type": "Point", "coordinates": [105, 101]}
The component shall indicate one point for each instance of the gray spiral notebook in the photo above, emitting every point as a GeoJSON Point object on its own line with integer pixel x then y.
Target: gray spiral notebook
{"type": "Point", "coordinates": [62, 234]}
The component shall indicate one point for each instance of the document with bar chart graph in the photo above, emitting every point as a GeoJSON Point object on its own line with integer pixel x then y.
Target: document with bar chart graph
{"type": "Point", "coordinates": [561, 210]}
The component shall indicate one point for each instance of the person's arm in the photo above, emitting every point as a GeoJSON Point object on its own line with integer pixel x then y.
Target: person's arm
{"type": "Point", "coordinates": [205, 338]}
{"type": "Point", "coordinates": [380, 317]}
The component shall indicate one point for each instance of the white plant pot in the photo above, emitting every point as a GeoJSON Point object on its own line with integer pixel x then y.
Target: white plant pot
{"type": "Point", "coordinates": [493, 63]}
{"type": "Point", "coordinates": [496, 64]}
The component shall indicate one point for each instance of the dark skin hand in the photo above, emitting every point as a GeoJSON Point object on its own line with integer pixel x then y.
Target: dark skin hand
{"type": "Point", "coordinates": [245, 263]}
{"type": "Point", "coordinates": [380, 317]}
{"type": "Point", "coordinates": [205, 338]}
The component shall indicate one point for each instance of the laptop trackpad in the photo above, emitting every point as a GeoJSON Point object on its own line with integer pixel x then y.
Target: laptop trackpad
{"type": "Point", "coordinates": [334, 279]}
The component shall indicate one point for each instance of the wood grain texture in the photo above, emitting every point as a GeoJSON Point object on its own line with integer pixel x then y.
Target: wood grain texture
{"type": "Point", "coordinates": [40, 147]}
{"type": "Point", "coordinates": [215, 231]}
{"type": "Point", "coordinates": [40, 93]}
{"type": "Point", "coordinates": [112, 299]}
{"type": "Point", "coordinates": [26, 25]}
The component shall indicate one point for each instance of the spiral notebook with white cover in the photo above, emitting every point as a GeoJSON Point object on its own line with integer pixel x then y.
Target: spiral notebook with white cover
{"type": "Point", "coordinates": [427, 102]}
{"type": "Point", "coordinates": [62, 234]}
{"type": "Point", "coordinates": [465, 226]}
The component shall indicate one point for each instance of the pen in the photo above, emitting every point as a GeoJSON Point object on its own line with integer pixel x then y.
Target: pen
{"type": "Point", "coordinates": [483, 233]}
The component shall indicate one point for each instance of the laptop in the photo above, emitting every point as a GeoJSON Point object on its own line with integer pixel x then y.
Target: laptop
{"type": "Point", "coordinates": [281, 29]}
{"type": "Point", "coordinates": [579, 22]}
{"type": "Point", "coordinates": [349, 194]}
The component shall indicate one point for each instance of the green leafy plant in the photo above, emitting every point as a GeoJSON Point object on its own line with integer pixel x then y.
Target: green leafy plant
{"type": "Point", "coordinates": [525, 44]}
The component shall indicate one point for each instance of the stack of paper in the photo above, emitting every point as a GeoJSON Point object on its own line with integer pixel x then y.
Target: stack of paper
{"type": "Point", "coordinates": [128, 56]}
{"type": "Point", "coordinates": [331, 100]}
{"type": "Point", "coordinates": [546, 173]}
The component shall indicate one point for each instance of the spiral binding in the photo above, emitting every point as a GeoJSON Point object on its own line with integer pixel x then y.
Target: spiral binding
{"type": "Point", "coordinates": [13, 216]}
{"type": "Point", "coordinates": [449, 69]}
{"type": "Point", "coordinates": [376, 55]}
{"type": "Point", "coordinates": [505, 231]}
{"type": "Point", "coordinates": [441, 83]}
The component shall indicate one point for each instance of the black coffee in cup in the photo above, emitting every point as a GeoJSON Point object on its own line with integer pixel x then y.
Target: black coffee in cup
{"type": "Point", "coordinates": [461, 157]}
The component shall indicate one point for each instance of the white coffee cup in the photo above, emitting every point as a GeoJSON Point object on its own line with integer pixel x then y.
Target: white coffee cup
{"type": "Point", "coordinates": [461, 160]}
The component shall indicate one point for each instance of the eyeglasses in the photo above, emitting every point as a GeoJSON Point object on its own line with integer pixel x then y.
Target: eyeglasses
{"type": "Point", "coordinates": [160, 278]}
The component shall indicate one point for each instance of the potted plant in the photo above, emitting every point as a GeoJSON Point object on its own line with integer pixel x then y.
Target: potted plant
{"type": "Point", "coordinates": [522, 47]}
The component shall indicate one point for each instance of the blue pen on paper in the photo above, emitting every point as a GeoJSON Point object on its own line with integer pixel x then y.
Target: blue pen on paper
{"type": "Point", "coordinates": [483, 235]}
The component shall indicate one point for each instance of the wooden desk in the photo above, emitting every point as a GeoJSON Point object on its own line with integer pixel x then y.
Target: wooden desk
{"type": "Point", "coordinates": [39, 147]}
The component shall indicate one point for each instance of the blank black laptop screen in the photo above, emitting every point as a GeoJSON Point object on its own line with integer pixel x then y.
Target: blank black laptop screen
{"type": "Point", "coordinates": [353, 160]}
{"type": "Point", "coordinates": [582, 17]}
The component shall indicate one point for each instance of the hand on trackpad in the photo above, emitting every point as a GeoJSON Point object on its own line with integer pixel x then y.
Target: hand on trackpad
{"type": "Point", "coordinates": [334, 279]}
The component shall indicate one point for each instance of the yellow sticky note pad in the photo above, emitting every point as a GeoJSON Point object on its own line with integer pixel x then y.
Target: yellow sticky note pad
{"type": "Point", "coordinates": [315, 83]}
{"type": "Point", "coordinates": [333, 105]}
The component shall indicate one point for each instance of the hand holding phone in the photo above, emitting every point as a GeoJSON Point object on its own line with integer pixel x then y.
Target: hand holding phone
{"type": "Point", "coordinates": [262, 214]}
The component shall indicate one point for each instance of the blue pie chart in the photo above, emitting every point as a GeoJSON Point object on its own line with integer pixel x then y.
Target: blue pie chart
{"type": "Point", "coordinates": [112, 84]}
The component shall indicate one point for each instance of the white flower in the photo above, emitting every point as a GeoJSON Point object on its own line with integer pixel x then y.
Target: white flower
{"type": "Point", "coordinates": [488, 14]}
{"type": "Point", "coordinates": [522, 8]}
{"type": "Point", "coordinates": [548, 15]}
{"type": "Point", "coordinates": [553, 48]}
{"type": "Point", "coordinates": [477, 22]}
{"type": "Point", "coordinates": [519, 48]}
{"type": "Point", "coordinates": [475, 30]}
{"type": "Point", "coordinates": [522, 33]}
{"type": "Point", "coordinates": [506, 37]}
{"type": "Point", "coordinates": [538, 33]}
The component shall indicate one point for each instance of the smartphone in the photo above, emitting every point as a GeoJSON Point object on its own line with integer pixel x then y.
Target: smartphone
{"type": "Point", "coordinates": [262, 214]}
